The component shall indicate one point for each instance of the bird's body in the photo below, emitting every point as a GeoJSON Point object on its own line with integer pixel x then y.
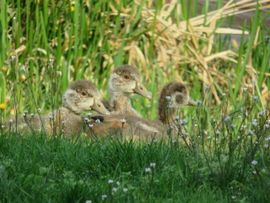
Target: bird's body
{"type": "Point", "coordinates": [81, 96]}
{"type": "Point", "coordinates": [171, 98]}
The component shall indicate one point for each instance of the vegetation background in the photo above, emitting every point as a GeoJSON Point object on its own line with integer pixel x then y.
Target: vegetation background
{"type": "Point", "coordinates": [46, 44]}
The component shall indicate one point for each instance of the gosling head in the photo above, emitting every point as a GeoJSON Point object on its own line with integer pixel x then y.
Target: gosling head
{"type": "Point", "coordinates": [126, 80]}
{"type": "Point", "coordinates": [82, 95]}
{"type": "Point", "coordinates": [173, 96]}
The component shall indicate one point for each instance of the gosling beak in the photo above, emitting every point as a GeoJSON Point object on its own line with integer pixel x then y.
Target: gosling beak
{"type": "Point", "coordinates": [141, 90]}
{"type": "Point", "coordinates": [100, 108]}
{"type": "Point", "coordinates": [191, 102]}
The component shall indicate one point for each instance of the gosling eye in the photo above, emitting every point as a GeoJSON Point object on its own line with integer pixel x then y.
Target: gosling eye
{"type": "Point", "coordinates": [83, 93]}
{"type": "Point", "coordinates": [126, 77]}
{"type": "Point", "coordinates": [179, 99]}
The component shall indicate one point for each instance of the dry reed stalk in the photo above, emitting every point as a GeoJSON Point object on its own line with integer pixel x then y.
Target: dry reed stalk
{"type": "Point", "coordinates": [188, 42]}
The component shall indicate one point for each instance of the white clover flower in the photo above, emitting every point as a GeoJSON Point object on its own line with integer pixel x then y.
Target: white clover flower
{"type": "Point", "coordinates": [243, 127]}
{"type": "Point", "coordinates": [183, 122]}
{"type": "Point", "coordinates": [125, 189]}
{"type": "Point", "coordinates": [147, 170]}
{"type": "Point", "coordinates": [255, 98]}
{"type": "Point", "coordinates": [114, 189]}
{"type": "Point", "coordinates": [118, 183]}
{"type": "Point", "coordinates": [103, 197]}
{"type": "Point", "coordinates": [262, 113]}
{"type": "Point", "coordinates": [88, 201]}
{"type": "Point", "coordinates": [153, 165]}
{"type": "Point", "coordinates": [227, 119]}
{"type": "Point", "coordinates": [86, 120]}
{"type": "Point", "coordinates": [110, 181]}
{"type": "Point", "coordinates": [90, 125]}
{"type": "Point", "coordinates": [254, 122]}
{"type": "Point", "coordinates": [254, 162]}
{"type": "Point", "coordinates": [97, 121]}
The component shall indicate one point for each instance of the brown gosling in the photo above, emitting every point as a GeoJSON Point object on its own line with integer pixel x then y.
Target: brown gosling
{"type": "Point", "coordinates": [81, 96]}
{"type": "Point", "coordinates": [123, 82]}
{"type": "Point", "coordinates": [173, 96]}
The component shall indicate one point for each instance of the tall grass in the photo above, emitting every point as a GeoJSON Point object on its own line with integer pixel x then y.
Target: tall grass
{"type": "Point", "coordinates": [46, 44]}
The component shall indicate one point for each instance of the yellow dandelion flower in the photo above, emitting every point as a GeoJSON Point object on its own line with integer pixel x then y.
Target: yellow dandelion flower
{"type": "Point", "coordinates": [3, 106]}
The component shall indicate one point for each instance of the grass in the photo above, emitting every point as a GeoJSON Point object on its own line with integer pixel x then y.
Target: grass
{"type": "Point", "coordinates": [46, 44]}
{"type": "Point", "coordinates": [61, 171]}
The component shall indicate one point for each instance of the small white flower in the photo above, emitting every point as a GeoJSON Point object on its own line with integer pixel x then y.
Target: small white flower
{"type": "Point", "coordinates": [267, 139]}
{"type": "Point", "coordinates": [98, 121]}
{"type": "Point", "coordinates": [90, 125]}
{"type": "Point", "coordinates": [183, 122]}
{"type": "Point", "coordinates": [39, 110]}
{"type": "Point", "coordinates": [103, 197]}
{"type": "Point", "coordinates": [32, 115]}
{"type": "Point", "coordinates": [125, 189]}
{"type": "Point", "coordinates": [227, 119]}
{"type": "Point", "coordinates": [254, 162]}
{"type": "Point", "coordinates": [11, 121]}
{"type": "Point", "coordinates": [233, 197]}
{"type": "Point", "coordinates": [2, 126]}
{"type": "Point", "coordinates": [254, 122]}
{"type": "Point", "coordinates": [153, 165]}
{"type": "Point", "coordinates": [110, 181]}
{"type": "Point", "coordinates": [86, 120]}
{"type": "Point", "coordinates": [255, 98]}
{"type": "Point", "coordinates": [265, 145]}
{"type": "Point", "coordinates": [118, 183]}
{"type": "Point", "coordinates": [267, 126]}
{"type": "Point", "coordinates": [114, 189]}
{"type": "Point", "coordinates": [147, 170]}
{"type": "Point", "coordinates": [88, 201]}
{"type": "Point", "coordinates": [243, 127]}
{"type": "Point", "coordinates": [262, 113]}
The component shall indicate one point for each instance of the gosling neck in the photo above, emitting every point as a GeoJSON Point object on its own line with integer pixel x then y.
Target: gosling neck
{"type": "Point", "coordinates": [166, 114]}
{"type": "Point", "coordinates": [120, 104]}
